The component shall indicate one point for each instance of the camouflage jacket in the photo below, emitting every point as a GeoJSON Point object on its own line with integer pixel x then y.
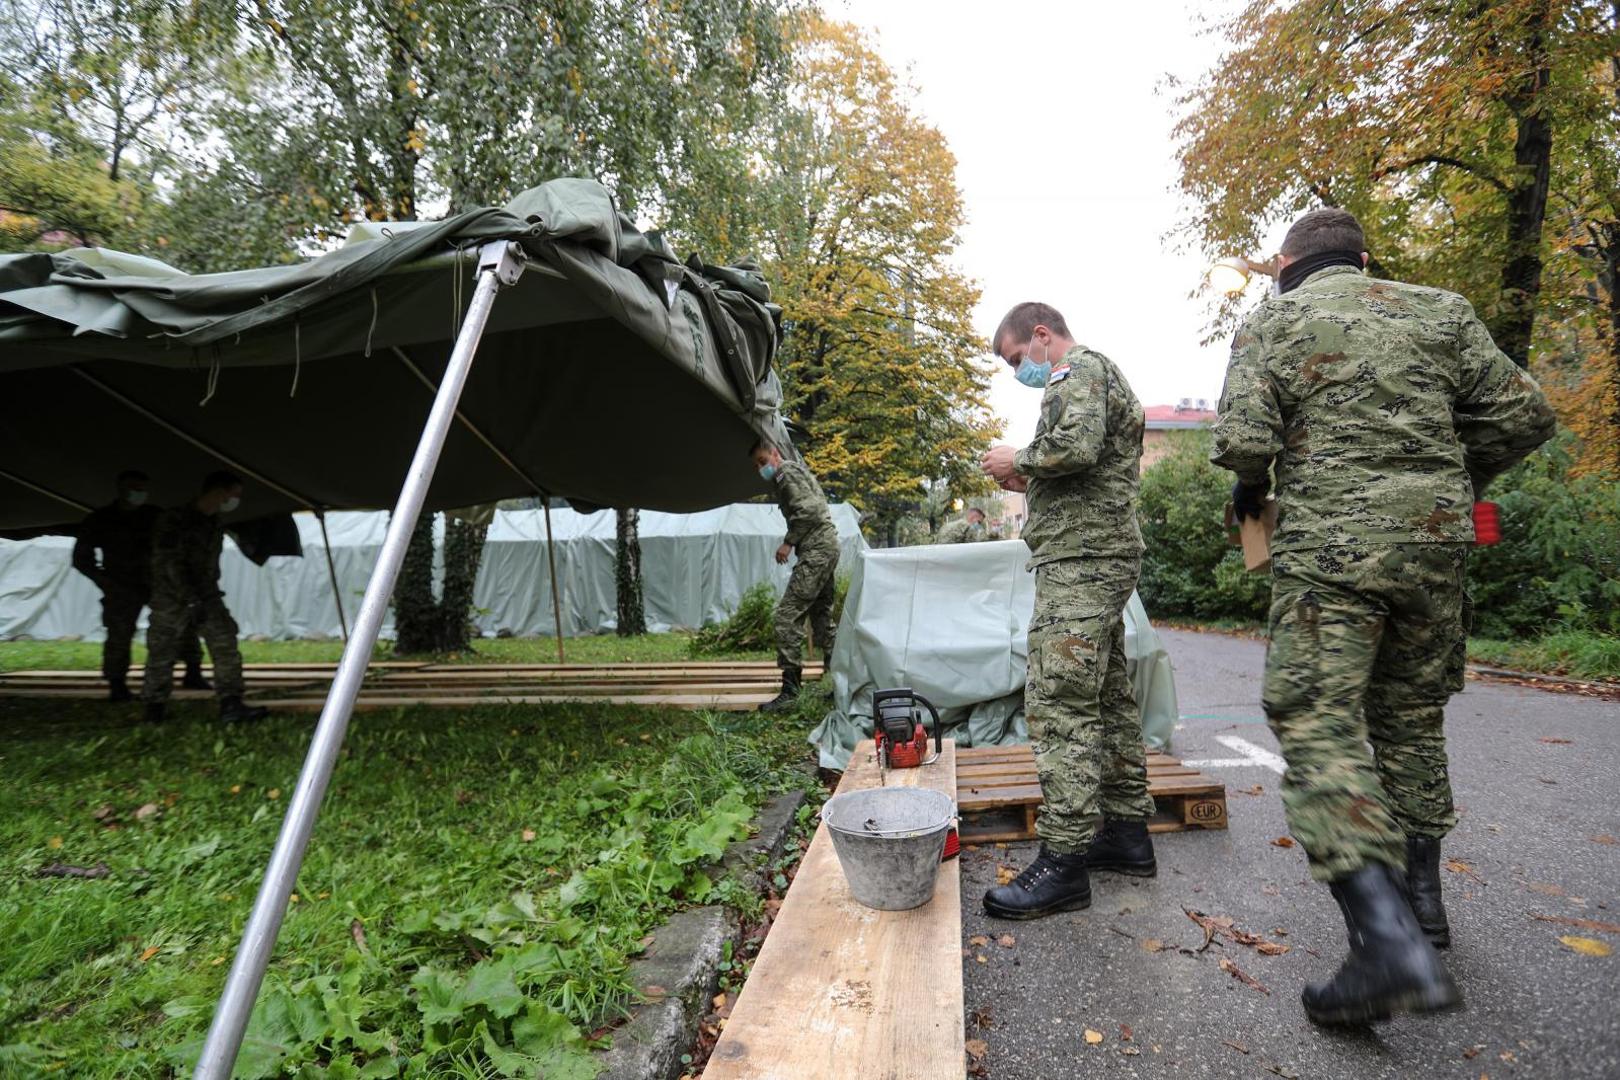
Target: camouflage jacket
{"type": "Point", "coordinates": [124, 538]}
{"type": "Point", "coordinates": [1385, 407]}
{"type": "Point", "coordinates": [185, 556]}
{"type": "Point", "coordinates": [798, 494]}
{"type": "Point", "coordinates": [1084, 464]}
{"type": "Point", "coordinates": [960, 532]}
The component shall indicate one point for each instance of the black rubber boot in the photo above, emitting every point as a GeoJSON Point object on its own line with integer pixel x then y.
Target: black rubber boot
{"type": "Point", "coordinates": [155, 711]}
{"type": "Point", "coordinates": [194, 680]}
{"type": "Point", "coordinates": [1123, 846]}
{"type": "Point", "coordinates": [233, 711]}
{"type": "Point", "coordinates": [1054, 882]}
{"type": "Point", "coordinates": [1391, 968]}
{"type": "Point", "coordinates": [1423, 888]}
{"type": "Point", "coordinates": [118, 690]}
{"type": "Point", "coordinates": [792, 679]}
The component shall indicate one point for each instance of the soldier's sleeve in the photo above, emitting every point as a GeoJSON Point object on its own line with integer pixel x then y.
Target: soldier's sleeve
{"type": "Point", "coordinates": [1074, 423]}
{"type": "Point", "coordinates": [1248, 433]}
{"type": "Point", "coordinates": [84, 551]}
{"type": "Point", "coordinates": [791, 497]}
{"type": "Point", "coordinates": [1501, 414]}
{"type": "Point", "coordinates": [168, 556]}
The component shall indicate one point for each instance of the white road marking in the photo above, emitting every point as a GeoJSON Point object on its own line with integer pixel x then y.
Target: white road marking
{"type": "Point", "coordinates": [1253, 757]}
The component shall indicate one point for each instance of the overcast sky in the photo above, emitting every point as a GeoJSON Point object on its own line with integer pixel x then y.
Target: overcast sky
{"type": "Point", "coordinates": [1065, 161]}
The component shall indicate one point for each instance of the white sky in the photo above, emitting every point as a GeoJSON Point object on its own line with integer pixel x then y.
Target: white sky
{"type": "Point", "coordinates": [1065, 161]}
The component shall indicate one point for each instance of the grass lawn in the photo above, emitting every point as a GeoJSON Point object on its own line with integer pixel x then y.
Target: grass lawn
{"type": "Point", "coordinates": [601, 649]}
{"type": "Point", "coordinates": [1576, 653]}
{"type": "Point", "coordinates": [476, 886]}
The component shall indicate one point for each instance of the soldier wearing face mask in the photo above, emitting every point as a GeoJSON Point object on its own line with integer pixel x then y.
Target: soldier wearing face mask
{"type": "Point", "coordinates": [185, 592]}
{"type": "Point", "coordinates": [122, 533]}
{"type": "Point", "coordinates": [1080, 474]}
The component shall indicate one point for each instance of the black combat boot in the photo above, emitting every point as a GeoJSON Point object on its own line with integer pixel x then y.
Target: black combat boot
{"type": "Point", "coordinates": [1123, 846]}
{"type": "Point", "coordinates": [194, 680]}
{"type": "Point", "coordinates": [155, 711]}
{"type": "Point", "coordinates": [233, 711]}
{"type": "Point", "coordinates": [792, 679]}
{"type": "Point", "coordinates": [1391, 968]}
{"type": "Point", "coordinates": [118, 689]}
{"type": "Point", "coordinates": [1054, 882]}
{"type": "Point", "coordinates": [1423, 888]}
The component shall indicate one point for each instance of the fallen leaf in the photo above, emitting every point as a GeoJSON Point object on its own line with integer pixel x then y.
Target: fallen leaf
{"type": "Point", "coordinates": [1472, 1052]}
{"type": "Point", "coordinates": [1006, 941]}
{"type": "Point", "coordinates": [1005, 874]}
{"type": "Point", "coordinates": [984, 1018]}
{"type": "Point", "coordinates": [1129, 1051]}
{"type": "Point", "coordinates": [1239, 1047]}
{"type": "Point", "coordinates": [99, 870]}
{"type": "Point", "coordinates": [1125, 1032]}
{"type": "Point", "coordinates": [1556, 742]}
{"type": "Point", "coordinates": [1604, 838]}
{"type": "Point", "coordinates": [1544, 888]}
{"type": "Point", "coordinates": [978, 940]}
{"type": "Point", "coordinates": [1242, 976]}
{"type": "Point", "coordinates": [1587, 946]}
{"type": "Point", "coordinates": [528, 836]}
{"type": "Point", "coordinates": [1457, 866]}
{"type": "Point", "coordinates": [102, 812]}
{"type": "Point", "coordinates": [149, 952]}
{"type": "Point", "coordinates": [1583, 924]}
{"type": "Point", "coordinates": [1093, 1037]}
{"type": "Point", "coordinates": [216, 961]}
{"type": "Point", "coordinates": [1271, 948]}
{"type": "Point", "coordinates": [980, 958]}
{"type": "Point", "coordinates": [654, 993]}
{"type": "Point", "coordinates": [720, 1001]}
{"type": "Point", "coordinates": [273, 793]}
{"type": "Point", "coordinates": [1284, 841]}
{"type": "Point", "coordinates": [1256, 790]}
{"type": "Point", "coordinates": [54, 842]}
{"type": "Point", "coordinates": [1153, 945]}
{"type": "Point", "coordinates": [1508, 1056]}
{"type": "Point", "coordinates": [236, 789]}
{"type": "Point", "coordinates": [357, 931]}
{"type": "Point", "coordinates": [1283, 1071]}
{"type": "Point", "coordinates": [976, 1048]}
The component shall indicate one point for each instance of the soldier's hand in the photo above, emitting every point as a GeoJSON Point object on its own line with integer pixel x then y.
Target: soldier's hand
{"type": "Point", "coordinates": [783, 552]}
{"type": "Point", "coordinates": [997, 464]}
{"type": "Point", "coordinates": [1015, 482]}
{"type": "Point", "coordinates": [1249, 501]}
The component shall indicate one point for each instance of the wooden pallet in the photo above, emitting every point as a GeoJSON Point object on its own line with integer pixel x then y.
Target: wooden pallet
{"type": "Point", "coordinates": [998, 793]}
{"type": "Point", "coordinates": [845, 992]}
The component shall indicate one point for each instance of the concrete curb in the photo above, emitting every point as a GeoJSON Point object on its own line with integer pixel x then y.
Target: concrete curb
{"type": "Point", "coordinates": [683, 962]}
{"type": "Point", "coordinates": [1548, 682]}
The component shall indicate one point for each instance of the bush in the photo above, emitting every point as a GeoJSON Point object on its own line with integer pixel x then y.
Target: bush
{"type": "Point", "coordinates": [752, 627]}
{"type": "Point", "coordinates": [1189, 567]}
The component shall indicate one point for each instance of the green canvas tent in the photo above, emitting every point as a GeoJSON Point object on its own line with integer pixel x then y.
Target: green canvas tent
{"type": "Point", "coordinates": [610, 373]}
{"type": "Point", "coordinates": [607, 372]}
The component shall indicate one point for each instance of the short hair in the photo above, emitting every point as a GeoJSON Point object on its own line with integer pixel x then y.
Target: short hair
{"type": "Point", "coordinates": [131, 476]}
{"type": "Point", "coordinates": [1022, 320]}
{"type": "Point", "coordinates": [765, 445]}
{"type": "Point", "coordinates": [975, 510]}
{"type": "Point", "coordinates": [1324, 229]}
{"type": "Point", "coordinates": [221, 479]}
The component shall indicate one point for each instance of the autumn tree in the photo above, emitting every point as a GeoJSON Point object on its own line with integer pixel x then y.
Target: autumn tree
{"type": "Point", "coordinates": [858, 225]}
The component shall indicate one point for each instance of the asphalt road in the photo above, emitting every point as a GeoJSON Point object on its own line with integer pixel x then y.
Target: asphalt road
{"type": "Point", "coordinates": [1539, 835]}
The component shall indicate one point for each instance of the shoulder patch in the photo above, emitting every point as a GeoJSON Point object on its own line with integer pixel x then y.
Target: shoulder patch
{"type": "Point", "coordinates": [1058, 374]}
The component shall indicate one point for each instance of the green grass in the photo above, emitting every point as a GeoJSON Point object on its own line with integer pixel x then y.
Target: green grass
{"type": "Point", "coordinates": [607, 648]}
{"type": "Point", "coordinates": [1580, 654]}
{"type": "Point", "coordinates": [475, 889]}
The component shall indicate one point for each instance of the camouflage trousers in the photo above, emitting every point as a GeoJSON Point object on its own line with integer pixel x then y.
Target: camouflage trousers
{"type": "Point", "coordinates": [173, 623]}
{"type": "Point", "coordinates": [811, 590]}
{"type": "Point", "coordinates": [1367, 644]}
{"type": "Point", "coordinates": [120, 611]}
{"type": "Point", "coordinates": [1081, 709]}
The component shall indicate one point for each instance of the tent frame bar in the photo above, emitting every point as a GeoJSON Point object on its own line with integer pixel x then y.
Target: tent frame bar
{"type": "Point", "coordinates": [500, 264]}
{"type": "Point", "coordinates": [331, 573]}
{"type": "Point", "coordinates": [45, 491]}
{"type": "Point", "coordinates": [174, 429]}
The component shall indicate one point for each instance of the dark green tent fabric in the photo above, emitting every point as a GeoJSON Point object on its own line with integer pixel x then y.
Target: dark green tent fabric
{"type": "Point", "coordinates": [611, 373]}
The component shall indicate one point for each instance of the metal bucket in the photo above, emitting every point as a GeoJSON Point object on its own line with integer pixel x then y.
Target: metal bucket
{"type": "Point", "coordinates": [889, 842]}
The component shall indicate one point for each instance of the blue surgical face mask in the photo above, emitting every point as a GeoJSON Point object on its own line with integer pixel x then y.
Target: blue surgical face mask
{"type": "Point", "coordinates": [767, 472]}
{"type": "Point", "coordinates": [135, 498]}
{"type": "Point", "coordinates": [1032, 374]}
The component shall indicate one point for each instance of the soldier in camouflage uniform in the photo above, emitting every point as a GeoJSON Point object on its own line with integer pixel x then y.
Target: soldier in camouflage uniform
{"type": "Point", "coordinates": [812, 586]}
{"type": "Point", "coordinates": [1080, 475]}
{"type": "Point", "coordinates": [122, 533]}
{"type": "Point", "coordinates": [185, 592]}
{"type": "Point", "coordinates": [966, 530]}
{"type": "Point", "coordinates": [1382, 410]}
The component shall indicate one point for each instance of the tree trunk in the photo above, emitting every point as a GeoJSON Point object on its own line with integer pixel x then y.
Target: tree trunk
{"type": "Point", "coordinates": [632, 609]}
{"type": "Point", "coordinates": [463, 551]}
{"type": "Point", "coordinates": [1527, 197]}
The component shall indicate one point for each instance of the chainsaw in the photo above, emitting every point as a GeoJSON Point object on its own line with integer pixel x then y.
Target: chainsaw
{"type": "Point", "coordinates": [902, 740]}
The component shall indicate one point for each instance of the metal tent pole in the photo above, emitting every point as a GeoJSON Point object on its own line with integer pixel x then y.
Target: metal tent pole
{"type": "Point", "coordinates": [331, 572]}
{"type": "Point", "coordinates": [556, 597]}
{"type": "Point", "coordinates": [499, 263]}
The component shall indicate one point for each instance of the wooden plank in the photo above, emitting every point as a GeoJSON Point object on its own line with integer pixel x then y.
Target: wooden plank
{"type": "Point", "coordinates": [718, 703]}
{"type": "Point", "coordinates": [843, 992]}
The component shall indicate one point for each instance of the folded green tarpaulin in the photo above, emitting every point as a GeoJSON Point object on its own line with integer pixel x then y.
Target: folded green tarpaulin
{"type": "Point", "coordinates": [611, 374]}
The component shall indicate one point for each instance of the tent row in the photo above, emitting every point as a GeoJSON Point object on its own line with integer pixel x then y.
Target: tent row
{"type": "Point", "coordinates": [695, 567]}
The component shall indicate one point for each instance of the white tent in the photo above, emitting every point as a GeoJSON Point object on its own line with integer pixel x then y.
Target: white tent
{"type": "Point", "coordinates": [695, 567]}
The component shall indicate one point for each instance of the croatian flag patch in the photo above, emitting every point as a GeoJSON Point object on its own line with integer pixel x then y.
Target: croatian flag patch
{"type": "Point", "coordinates": [1058, 374]}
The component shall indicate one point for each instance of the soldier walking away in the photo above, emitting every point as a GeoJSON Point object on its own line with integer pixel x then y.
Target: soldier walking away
{"type": "Point", "coordinates": [185, 592]}
{"type": "Point", "coordinates": [1080, 477]}
{"type": "Point", "coordinates": [969, 529]}
{"type": "Point", "coordinates": [812, 586]}
{"type": "Point", "coordinates": [122, 533]}
{"type": "Point", "coordinates": [1377, 412]}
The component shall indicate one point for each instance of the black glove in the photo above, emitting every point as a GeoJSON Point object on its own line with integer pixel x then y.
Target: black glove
{"type": "Point", "coordinates": [1249, 501]}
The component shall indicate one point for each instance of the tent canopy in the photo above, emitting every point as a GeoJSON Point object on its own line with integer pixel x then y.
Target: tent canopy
{"type": "Point", "coordinates": [611, 373]}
